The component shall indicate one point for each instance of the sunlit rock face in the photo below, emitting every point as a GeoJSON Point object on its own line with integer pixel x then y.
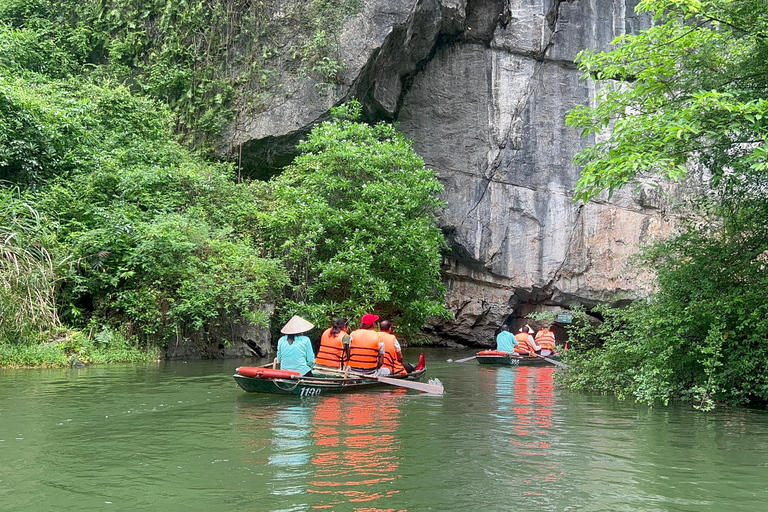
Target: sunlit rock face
{"type": "Point", "coordinates": [483, 87]}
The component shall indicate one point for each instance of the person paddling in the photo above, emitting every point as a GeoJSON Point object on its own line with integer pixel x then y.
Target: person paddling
{"type": "Point", "coordinates": [393, 354]}
{"type": "Point", "coordinates": [505, 340]}
{"type": "Point", "coordinates": [295, 352]}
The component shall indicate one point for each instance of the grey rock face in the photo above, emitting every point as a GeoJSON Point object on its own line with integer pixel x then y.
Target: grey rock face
{"type": "Point", "coordinates": [483, 88]}
{"type": "Point", "coordinates": [243, 340]}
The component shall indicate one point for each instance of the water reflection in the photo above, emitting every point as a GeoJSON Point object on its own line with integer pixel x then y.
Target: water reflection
{"type": "Point", "coordinates": [185, 438]}
{"type": "Point", "coordinates": [525, 396]}
{"type": "Point", "coordinates": [337, 450]}
{"type": "Point", "coordinates": [357, 437]}
{"type": "Point", "coordinates": [291, 442]}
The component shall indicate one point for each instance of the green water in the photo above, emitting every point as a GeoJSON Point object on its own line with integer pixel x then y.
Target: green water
{"type": "Point", "coordinates": [184, 437]}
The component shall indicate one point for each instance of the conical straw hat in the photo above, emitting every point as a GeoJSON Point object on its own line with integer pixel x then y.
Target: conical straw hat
{"type": "Point", "coordinates": [296, 325]}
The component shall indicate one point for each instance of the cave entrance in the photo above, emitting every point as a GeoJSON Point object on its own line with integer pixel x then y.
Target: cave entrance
{"type": "Point", "coordinates": [562, 317]}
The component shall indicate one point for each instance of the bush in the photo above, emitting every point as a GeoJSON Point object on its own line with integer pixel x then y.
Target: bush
{"type": "Point", "coordinates": [152, 228]}
{"type": "Point", "coordinates": [106, 345]}
{"type": "Point", "coordinates": [701, 336]}
{"type": "Point", "coordinates": [354, 220]}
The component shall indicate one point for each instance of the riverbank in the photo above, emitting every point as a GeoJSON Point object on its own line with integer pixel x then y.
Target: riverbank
{"type": "Point", "coordinates": [75, 348]}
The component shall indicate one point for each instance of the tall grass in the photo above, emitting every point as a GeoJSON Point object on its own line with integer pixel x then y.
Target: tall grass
{"type": "Point", "coordinates": [28, 272]}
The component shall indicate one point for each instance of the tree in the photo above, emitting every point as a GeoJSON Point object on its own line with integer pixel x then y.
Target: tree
{"type": "Point", "coordinates": [688, 93]}
{"type": "Point", "coordinates": [354, 219]}
{"type": "Point", "coordinates": [691, 89]}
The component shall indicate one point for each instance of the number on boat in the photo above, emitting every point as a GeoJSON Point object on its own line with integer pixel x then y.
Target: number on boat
{"type": "Point", "coordinates": [309, 392]}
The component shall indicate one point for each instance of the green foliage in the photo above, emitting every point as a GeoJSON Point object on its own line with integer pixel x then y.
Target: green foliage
{"type": "Point", "coordinates": [542, 317]}
{"type": "Point", "coordinates": [157, 246]}
{"type": "Point", "coordinates": [31, 355]}
{"type": "Point", "coordinates": [52, 128]}
{"type": "Point", "coordinates": [314, 55]}
{"type": "Point", "coordinates": [354, 220]}
{"type": "Point", "coordinates": [75, 348]}
{"type": "Point", "coordinates": [701, 336]}
{"type": "Point", "coordinates": [104, 346]}
{"type": "Point", "coordinates": [23, 49]}
{"type": "Point", "coordinates": [180, 274]}
{"type": "Point", "coordinates": [690, 90]}
{"type": "Point", "coordinates": [155, 233]}
{"type": "Point", "coordinates": [692, 93]}
{"type": "Point", "coordinates": [162, 244]}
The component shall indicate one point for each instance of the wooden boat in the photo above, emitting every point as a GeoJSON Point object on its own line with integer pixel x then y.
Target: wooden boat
{"type": "Point", "coordinates": [512, 359]}
{"type": "Point", "coordinates": [324, 381]}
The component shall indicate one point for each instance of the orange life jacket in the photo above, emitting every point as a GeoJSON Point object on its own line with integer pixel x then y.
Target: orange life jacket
{"type": "Point", "coordinates": [546, 339]}
{"type": "Point", "coordinates": [390, 354]}
{"type": "Point", "coordinates": [523, 346]}
{"type": "Point", "coordinates": [331, 349]}
{"type": "Point", "coordinates": [364, 349]}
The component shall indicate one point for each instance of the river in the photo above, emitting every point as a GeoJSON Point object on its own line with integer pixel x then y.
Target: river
{"type": "Point", "coordinates": [181, 436]}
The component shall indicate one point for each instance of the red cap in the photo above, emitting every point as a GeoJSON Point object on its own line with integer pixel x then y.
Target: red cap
{"type": "Point", "coordinates": [369, 319]}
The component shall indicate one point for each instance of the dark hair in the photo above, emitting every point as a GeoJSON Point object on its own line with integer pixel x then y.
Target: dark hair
{"type": "Point", "coordinates": [385, 325]}
{"type": "Point", "coordinates": [291, 338]}
{"type": "Point", "coordinates": [339, 325]}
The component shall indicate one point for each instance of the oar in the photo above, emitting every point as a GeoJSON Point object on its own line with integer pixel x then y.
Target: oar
{"type": "Point", "coordinates": [420, 386]}
{"type": "Point", "coordinates": [556, 363]}
{"type": "Point", "coordinates": [465, 359]}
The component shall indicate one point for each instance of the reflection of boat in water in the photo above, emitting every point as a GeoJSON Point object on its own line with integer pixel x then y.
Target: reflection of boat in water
{"type": "Point", "coordinates": [357, 452]}
{"type": "Point", "coordinates": [511, 359]}
{"type": "Point", "coordinates": [284, 382]}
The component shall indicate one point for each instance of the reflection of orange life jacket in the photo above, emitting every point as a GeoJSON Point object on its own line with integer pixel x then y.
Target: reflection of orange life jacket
{"type": "Point", "coordinates": [364, 349]}
{"type": "Point", "coordinates": [523, 346]}
{"type": "Point", "coordinates": [390, 353]}
{"type": "Point", "coordinates": [546, 339]}
{"type": "Point", "coordinates": [331, 349]}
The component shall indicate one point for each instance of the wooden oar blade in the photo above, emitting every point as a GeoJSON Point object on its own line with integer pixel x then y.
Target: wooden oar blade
{"type": "Point", "coordinates": [465, 359]}
{"type": "Point", "coordinates": [420, 386]}
{"type": "Point", "coordinates": [556, 363]}
{"type": "Point", "coordinates": [433, 389]}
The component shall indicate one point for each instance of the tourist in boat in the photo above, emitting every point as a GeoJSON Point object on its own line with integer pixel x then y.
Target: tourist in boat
{"type": "Point", "coordinates": [393, 354]}
{"type": "Point", "coordinates": [505, 340]}
{"type": "Point", "coordinates": [545, 338]}
{"type": "Point", "coordinates": [332, 346]}
{"type": "Point", "coordinates": [526, 344]}
{"type": "Point", "coordinates": [294, 352]}
{"type": "Point", "coordinates": [366, 349]}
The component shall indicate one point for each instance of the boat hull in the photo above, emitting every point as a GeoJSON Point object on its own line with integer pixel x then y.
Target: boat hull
{"type": "Point", "coordinates": [508, 359]}
{"type": "Point", "coordinates": [322, 383]}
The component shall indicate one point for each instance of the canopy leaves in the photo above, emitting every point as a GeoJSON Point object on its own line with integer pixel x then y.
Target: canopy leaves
{"type": "Point", "coordinates": [688, 92]}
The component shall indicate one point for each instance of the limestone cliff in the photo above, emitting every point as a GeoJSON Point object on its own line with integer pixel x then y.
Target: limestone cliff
{"type": "Point", "coordinates": [483, 87]}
